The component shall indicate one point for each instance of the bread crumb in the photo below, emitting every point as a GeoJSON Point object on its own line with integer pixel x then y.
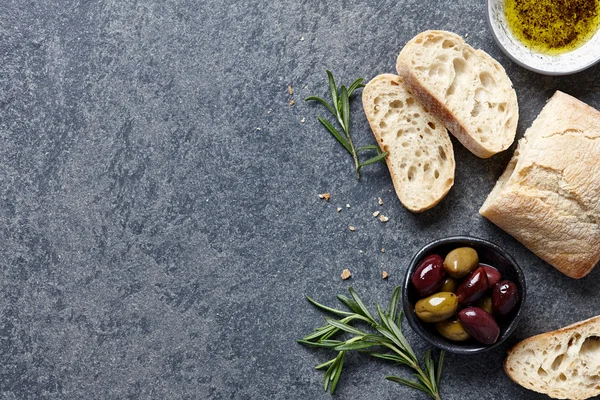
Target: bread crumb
{"type": "Point", "coordinates": [302, 38]}
{"type": "Point", "coordinates": [352, 228]}
{"type": "Point", "coordinates": [384, 275]}
{"type": "Point", "coordinates": [376, 213]}
{"type": "Point", "coordinates": [360, 251]}
{"type": "Point", "coordinates": [347, 205]}
{"type": "Point", "coordinates": [292, 102]}
{"type": "Point", "coordinates": [258, 129]}
{"type": "Point", "coordinates": [302, 120]}
{"type": "Point", "coordinates": [383, 218]}
{"type": "Point", "coordinates": [380, 201]}
{"type": "Point", "coordinates": [290, 90]}
{"type": "Point", "coordinates": [382, 250]}
{"type": "Point", "coordinates": [324, 196]}
{"type": "Point", "coordinates": [346, 274]}
{"type": "Point", "coordinates": [339, 209]}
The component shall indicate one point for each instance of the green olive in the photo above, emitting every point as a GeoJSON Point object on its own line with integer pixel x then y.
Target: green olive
{"type": "Point", "coordinates": [437, 307]}
{"type": "Point", "coordinates": [461, 262]}
{"type": "Point", "coordinates": [485, 303]}
{"type": "Point", "coordinates": [450, 284]}
{"type": "Point", "coordinates": [452, 329]}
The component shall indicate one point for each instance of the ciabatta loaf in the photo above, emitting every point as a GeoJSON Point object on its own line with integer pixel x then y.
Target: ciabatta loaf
{"type": "Point", "coordinates": [564, 364]}
{"type": "Point", "coordinates": [465, 88]}
{"type": "Point", "coordinates": [548, 197]}
{"type": "Point", "coordinates": [421, 159]}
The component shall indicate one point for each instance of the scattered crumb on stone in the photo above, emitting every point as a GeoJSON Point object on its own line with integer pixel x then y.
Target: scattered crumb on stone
{"type": "Point", "coordinates": [346, 274]}
{"type": "Point", "coordinates": [292, 102]}
{"type": "Point", "coordinates": [352, 228]}
{"type": "Point", "coordinates": [347, 205]}
{"type": "Point", "coordinates": [384, 275]}
{"type": "Point", "coordinates": [339, 209]}
{"type": "Point", "coordinates": [290, 90]}
{"type": "Point", "coordinates": [360, 251]}
{"type": "Point", "coordinates": [258, 129]}
{"type": "Point", "coordinates": [383, 218]}
{"type": "Point", "coordinates": [324, 196]}
{"type": "Point", "coordinates": [466, 35]}
{"type": "Point", "coordinates": [380, 201]}
{"type": "Point", "coordinates": [383, 250]}
{"type": "Point", "coordinates": [302, 120]}
{"type": "Point", "coordinates": [376, 214]}
{"type": "Point", "coordinates": [302, 38]}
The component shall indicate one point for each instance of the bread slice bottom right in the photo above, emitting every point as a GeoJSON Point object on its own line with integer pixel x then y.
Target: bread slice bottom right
{"type": "Point", "coordinates": [564, 364]}
{"type": "Point", "coordinates": [548, 198]}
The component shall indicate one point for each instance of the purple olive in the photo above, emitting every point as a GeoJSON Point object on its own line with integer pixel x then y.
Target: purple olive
{"type": "Point", "coordinates": [473, 288]}
{"type": "Point", "coordinates": [480, 324]}
{"type": "Point", "coordinates": [504, 297]}
{"type": "Point", "coordinates": [493, 275]}
{"type": "Point", "coordinates": [429, 275]}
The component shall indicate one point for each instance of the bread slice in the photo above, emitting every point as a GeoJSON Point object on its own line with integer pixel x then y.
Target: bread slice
{"type": "Point", "coordinates": [547, 198]}
{"type": "Point", "coordinates": [465, 88]}
{"type": "Point", "coordinates": [564, 364]}
{"type": "Point", "coordinates": [421, 158]}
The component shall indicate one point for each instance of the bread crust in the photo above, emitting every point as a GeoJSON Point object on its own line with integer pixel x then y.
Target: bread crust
{"type": "Point", "coordinates": [548, 196]}
{"type": "Point", "coordinates": [533, 362]}
{"type": "Point", "coordinates": [484, 82]}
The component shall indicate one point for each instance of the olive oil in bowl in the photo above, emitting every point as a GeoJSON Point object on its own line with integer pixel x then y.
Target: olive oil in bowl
{"type": "Point", "coordinates": [553, 27]}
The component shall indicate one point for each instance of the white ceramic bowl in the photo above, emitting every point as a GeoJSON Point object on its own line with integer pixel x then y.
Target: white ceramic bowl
{"type": "Point", "coordinates": [562, 64]}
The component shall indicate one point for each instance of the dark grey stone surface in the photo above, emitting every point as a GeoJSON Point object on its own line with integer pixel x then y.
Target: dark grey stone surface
{"type": "Point", "coordinates": [160, 223]}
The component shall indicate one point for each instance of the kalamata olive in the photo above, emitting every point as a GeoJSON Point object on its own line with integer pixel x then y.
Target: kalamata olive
{"type": "Point", "coordinates": [493, 275]}
{"type": "Point", "coordinates": [480, 324]}
{"type": "Point", "coordinates": [429, 275]}
{"type": "Point", "coordinates": [473, 288]}
{"type": "Point", "coordinates": [437, 307]}
{"type": "Point", "coordinates": [460, 262]}
{"type": "Point", "coordinates": [485, 303]}
{"type": "Point", "coordinates": [504, 297]}
{"type": "Point", "coordinates": [452, 329]}
{"type": "Point", "coordinates": [449, 285]}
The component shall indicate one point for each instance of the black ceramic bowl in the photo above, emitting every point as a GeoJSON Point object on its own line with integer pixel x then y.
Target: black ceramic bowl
{"type": "Point", "coordinates": [488, 253]}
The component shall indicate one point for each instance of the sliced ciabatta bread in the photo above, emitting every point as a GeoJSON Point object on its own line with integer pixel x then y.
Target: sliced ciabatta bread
{"type": "Point", "coordinates": [421, 159]}
{"type": "Point", "coordinates": [465, 88]}
{"type": "Point", "coordinates": [564, 364]}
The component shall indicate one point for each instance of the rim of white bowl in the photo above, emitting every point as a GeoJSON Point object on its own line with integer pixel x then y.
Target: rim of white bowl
{"type": "Point", "coordinates": [499, 29]}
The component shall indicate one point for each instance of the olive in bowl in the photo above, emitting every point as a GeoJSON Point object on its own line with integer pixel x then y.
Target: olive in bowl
{"type": "Point", "coordinates": [490, 291]}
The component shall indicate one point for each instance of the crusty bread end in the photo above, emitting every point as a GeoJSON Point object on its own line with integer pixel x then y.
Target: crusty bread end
{"type": "Point", "coordinates": [564, 364]}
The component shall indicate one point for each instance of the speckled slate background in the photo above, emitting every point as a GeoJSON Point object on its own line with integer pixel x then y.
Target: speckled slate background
{"type": "Point", "coordinates": [160, 223]}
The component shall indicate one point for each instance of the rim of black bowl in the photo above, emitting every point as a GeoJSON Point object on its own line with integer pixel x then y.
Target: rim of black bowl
{"type": "Point", "coordinates": [471, 347]}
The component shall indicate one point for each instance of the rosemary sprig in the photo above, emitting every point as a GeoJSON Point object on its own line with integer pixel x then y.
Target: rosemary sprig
{"type": "Point", "coordinates": [386, 342]}
{"type": "Point", "coordinates": [340, 109]}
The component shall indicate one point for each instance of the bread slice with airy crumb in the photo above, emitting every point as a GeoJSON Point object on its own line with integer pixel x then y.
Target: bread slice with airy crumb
{"type": "Point", "coordinates": [465, 88]}
{"type": "Point", "coordinates": [421, 158]}
{"type": "Point", "coordinates": [564, 364]}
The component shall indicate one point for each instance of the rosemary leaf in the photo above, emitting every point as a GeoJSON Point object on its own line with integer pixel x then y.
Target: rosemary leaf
{"type": "Point", "coordinates": [336, 134]}
{"type": "Point", "coordinates": [438, 376]}
{"type": "Point", "coordinates": [322, 102]}
{"type": "Point", "coordinates": [345, 109]}
{"type": "Point", "coordinates": [355, 85]}
{"type": "Point", "coordinates": [331, 310]}
{"type": "Point", "coordinates": [332, 88]}
{"type": "Point", "coordinates": [373, 160]}
{"type": "Point", "coordinates": [360, 304]}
